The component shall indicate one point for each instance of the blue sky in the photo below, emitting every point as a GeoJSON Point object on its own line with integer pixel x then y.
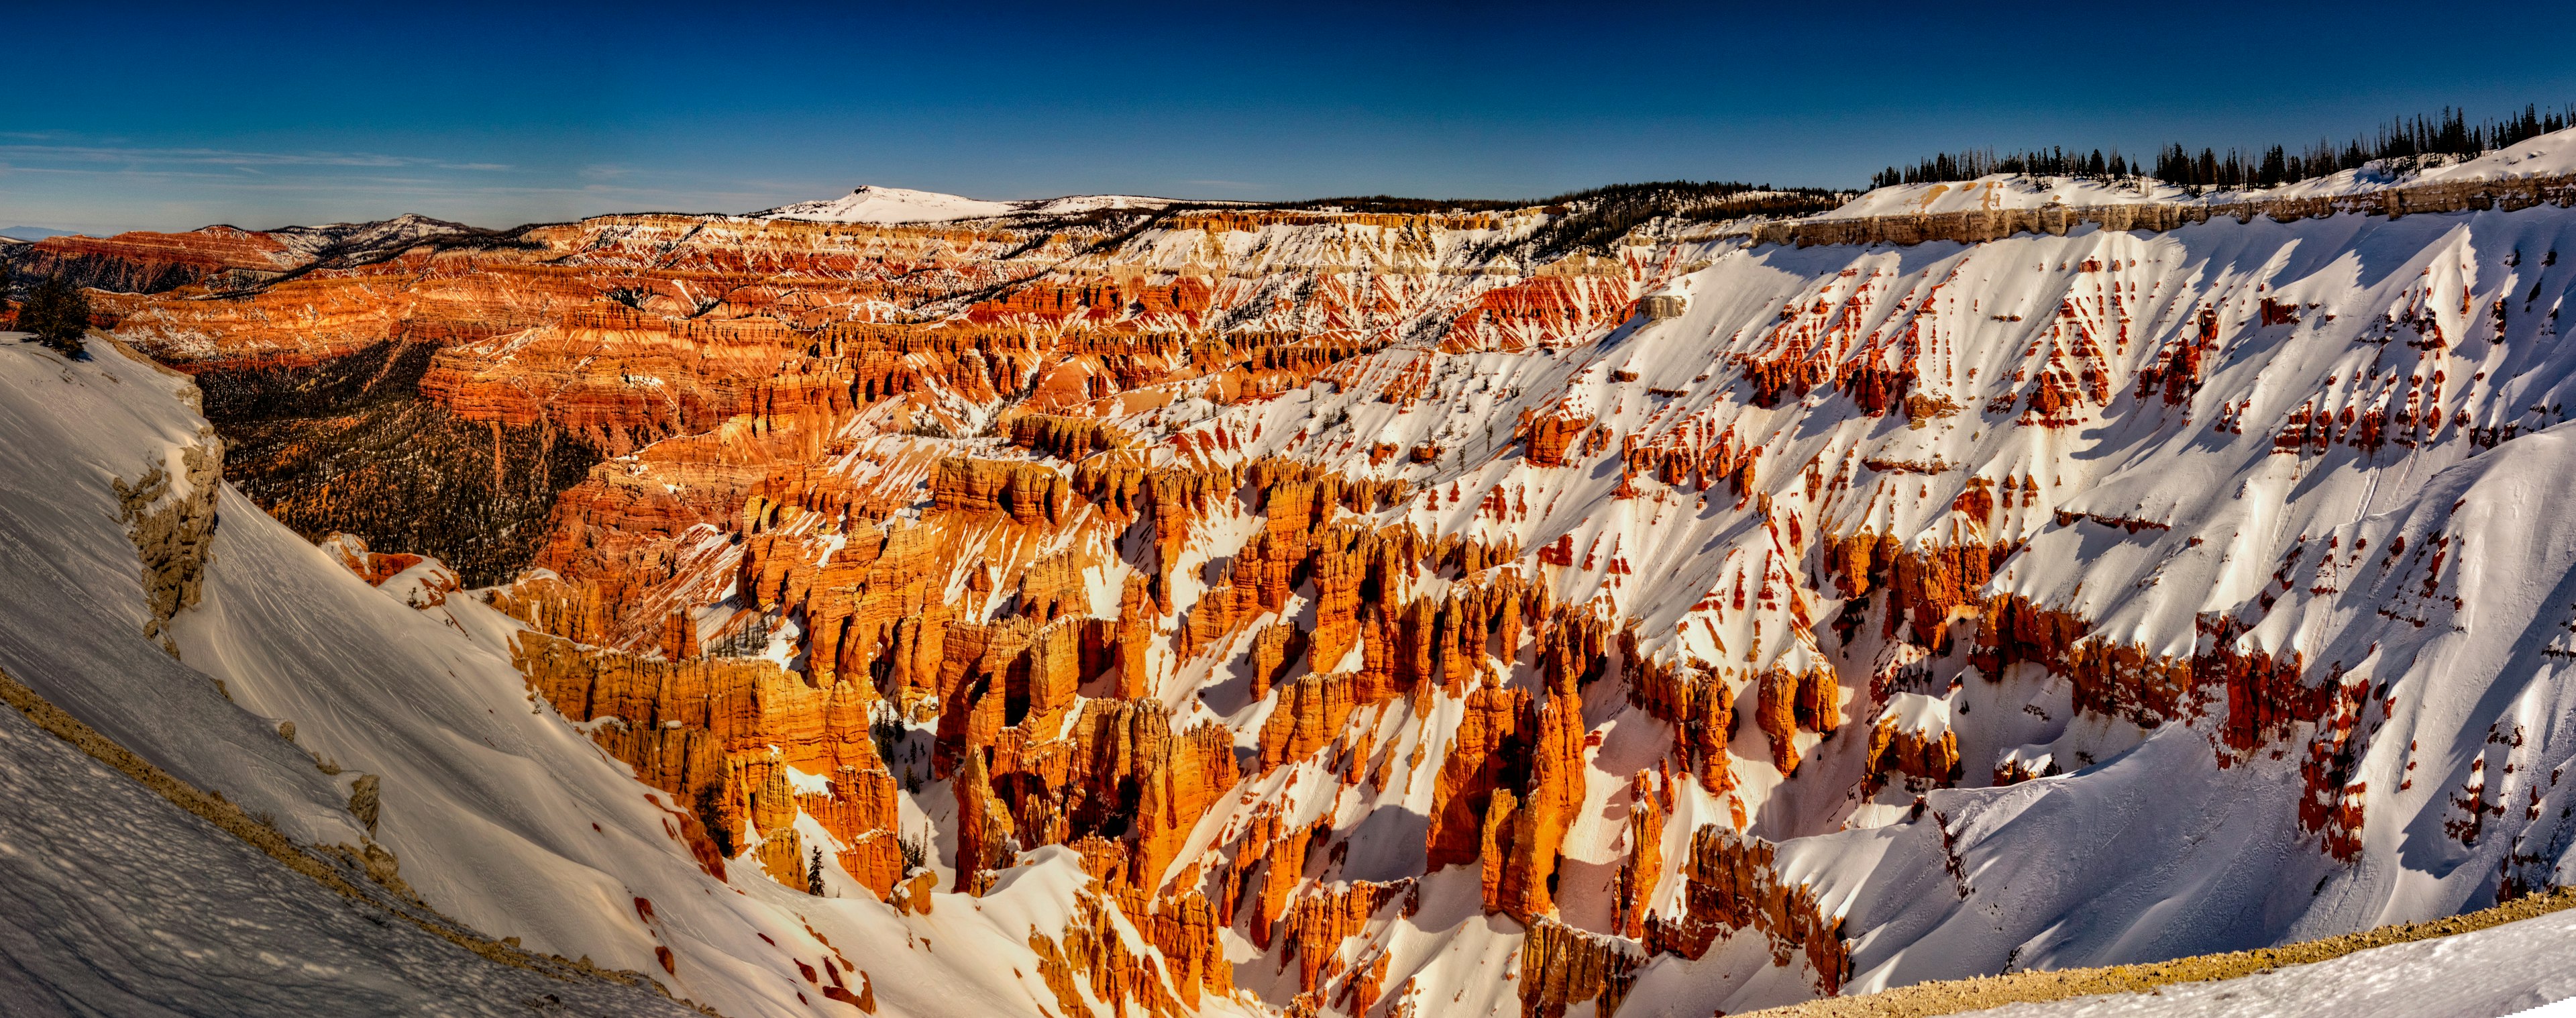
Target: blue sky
{"type": "Point", "coordinates": [128, 116]}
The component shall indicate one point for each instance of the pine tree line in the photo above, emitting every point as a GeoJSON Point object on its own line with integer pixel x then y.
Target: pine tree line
{"type": "Point", "coordinates": [1970, 165]}
{"type": "Point", "coordinates": [2448, 133]}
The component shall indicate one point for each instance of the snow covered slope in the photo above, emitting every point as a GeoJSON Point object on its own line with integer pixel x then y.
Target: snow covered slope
{"type": "Point", "coordinates": [112, 900]}
{"type": "Point", "coordinates": [868, 203]}
{"type": "Point", "coordinates": [872, 204]}
{"type": "Point", "coordinates": [115, 902]}
{"type": "Point", "coordinates": [2504, 970]}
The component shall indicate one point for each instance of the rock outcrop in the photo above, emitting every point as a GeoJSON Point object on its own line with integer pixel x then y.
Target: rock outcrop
{"type": "Point", "coordinates": [171, 520]}
{"type": "Point", "coordinates": [724, 734]}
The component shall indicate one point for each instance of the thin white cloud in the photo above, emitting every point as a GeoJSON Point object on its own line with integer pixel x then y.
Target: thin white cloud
{"type": "Point", "coordinates": [201, 156]}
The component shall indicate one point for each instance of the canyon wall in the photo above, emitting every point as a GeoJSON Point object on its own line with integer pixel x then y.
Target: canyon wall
{"type": "Point", "coordinates": [1348, 595]}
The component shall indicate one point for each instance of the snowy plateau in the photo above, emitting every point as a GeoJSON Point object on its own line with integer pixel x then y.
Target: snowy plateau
{"type": "Point", "coordinates": [873, 204]}
{"type": "Point", "coordinates": [913, 605]}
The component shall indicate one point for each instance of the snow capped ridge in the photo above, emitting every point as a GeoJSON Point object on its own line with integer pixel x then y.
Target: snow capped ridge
{"type": "Point", "coordinates": [869, 203]}
{"type": "Point", "coordinates": [2548, 155]}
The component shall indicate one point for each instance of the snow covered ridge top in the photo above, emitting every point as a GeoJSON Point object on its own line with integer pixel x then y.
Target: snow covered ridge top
{"type": "Point", "coordinates": [2550, 155]}
{"type": "Point", "coordinates": [869, 203]}
{"type": "Point", "coordinates": [2015, 204]}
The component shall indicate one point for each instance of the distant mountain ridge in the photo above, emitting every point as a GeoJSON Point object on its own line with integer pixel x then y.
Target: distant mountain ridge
{"type": "Point", "coordinates": [869, 203]}
{"type": "Point", "coordinates": [143, 261]}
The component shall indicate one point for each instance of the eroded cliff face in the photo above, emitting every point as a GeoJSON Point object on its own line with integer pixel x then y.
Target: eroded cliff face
{"type": "Point", "coordinates": [1352, 598]}
{"type": "Point", "coordinates": [169, 514]}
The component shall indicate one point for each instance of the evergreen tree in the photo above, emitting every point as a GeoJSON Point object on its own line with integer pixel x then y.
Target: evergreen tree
{"type": "Point", "coordinates": [58, 314]}
{"type": "Point", "coordinates": [814, 873]}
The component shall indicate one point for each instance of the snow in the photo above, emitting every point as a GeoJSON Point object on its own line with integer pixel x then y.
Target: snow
{"type": "Point", "coordinates": [1092, 203]}
{"type": "Point", "coordinates": [2006, 191]}
{"type": "Point", "coordinates": [1916, 712]}
{"type": "Point", "coordinates": [2548, 155]}
{"type": "Point", "coordinates": [2495, 971]}
{"type": "Point", "coordinates": [873, 204]}
{"type": "Point", "coordinates": [115, 902]}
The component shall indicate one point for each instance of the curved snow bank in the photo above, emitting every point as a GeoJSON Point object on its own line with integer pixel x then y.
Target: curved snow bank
{"type": "Point", "coordinates": [2494, 971]}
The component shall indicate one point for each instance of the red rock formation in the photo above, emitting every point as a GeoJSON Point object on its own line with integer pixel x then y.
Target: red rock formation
{"type": "Point", "coordinates": [1543, 813]}
{"type": "Point", "coordinates": [1576, 296]}
{"type": "Point", "coordinates": [428, 587]}
{"type": "Point", "coordinates": [1184, 929]}
{"type": "Point", "coordinates": [1310, 715]}
{"type": "Point", "coordinates": [1496, 726]}
{"type": "Point", "coordinates": [1701, 707]}
{"type": "Point", "coordinates": [1494, 847]}
{"type": "Point", "coordinates": [2264, 695]}
{"type": "Point", "coordinates": [730, 727]}
{"type": "Point", "coordinates": [146, 262]}
{"type": "Point", "coordinates": [1027, 492]}
{"type": "Point", "coordinates": [1776, 714]}
{"type": "Point", "coordinates": [983, 828]}
{"type": "Point", "coordinates": [1930, 755]}
{"type": "Point", "coordinates": [1730, 884]}
{"type": "Point", "coordinates": [1065, 438]}
{"type": "Point", "coordinates": [1549, 436]}
{"type": "Point", "coordinates": [1093, 946]}
{"type": "Point", "coordinates": [1645, 863]}
{"type": "Point", "coordinates": [1320, 922]}
{"type": "Point", "coordinates": [1281, 852]}
{"type": "Point", "coordinates": [1561, 966]}
{"type": "Point", "coordinates": [1927, 586]}
{"type": "Point", "coordinates": [1274, 649]}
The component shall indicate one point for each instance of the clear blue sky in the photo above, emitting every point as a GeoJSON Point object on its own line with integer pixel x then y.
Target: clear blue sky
{"type": "Point", "coordinates": [128, 116]}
